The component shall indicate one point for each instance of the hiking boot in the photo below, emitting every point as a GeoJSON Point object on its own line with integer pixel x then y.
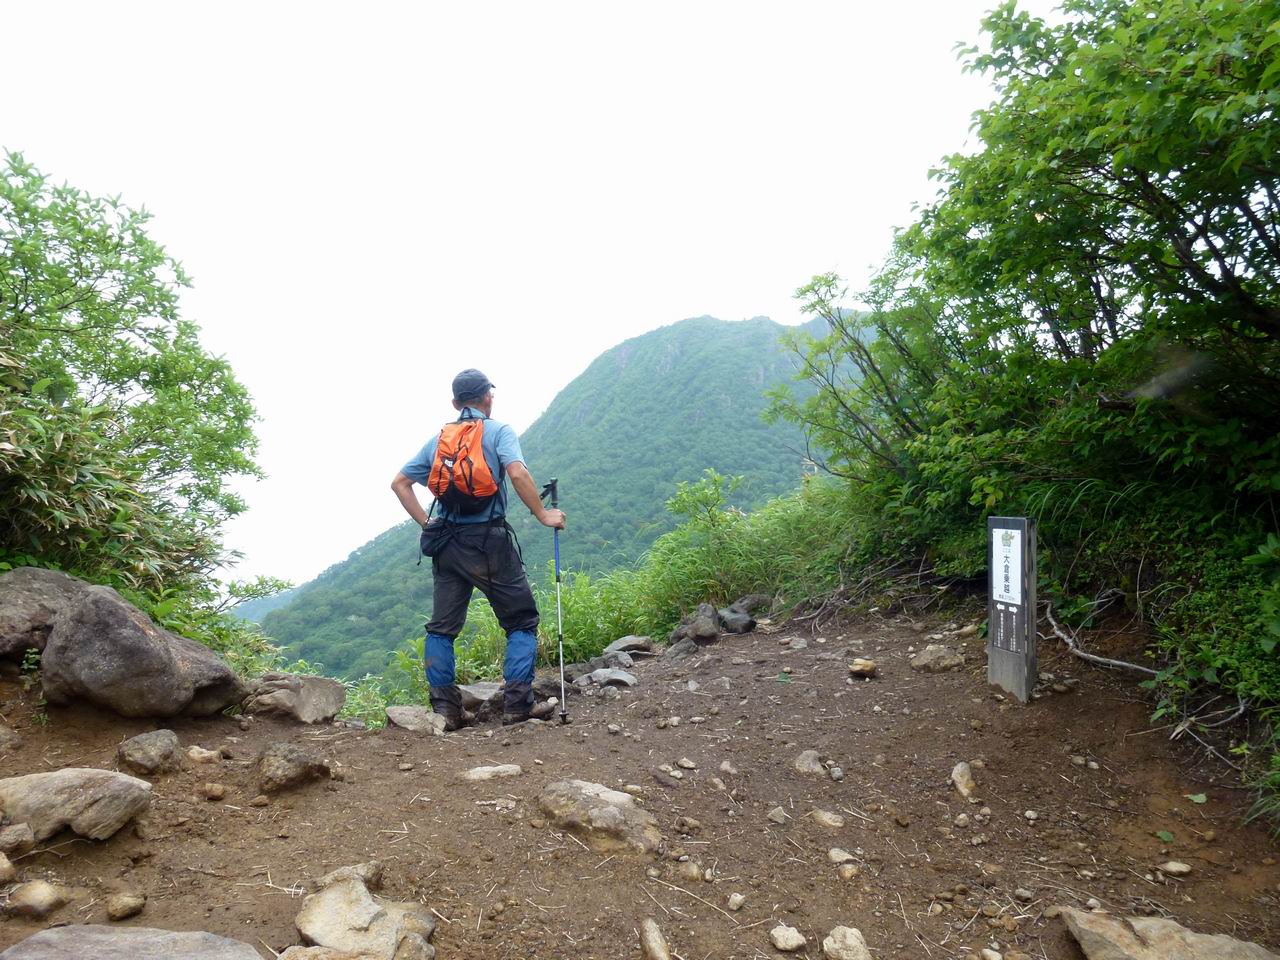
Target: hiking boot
{"type": "Point", "coordinates": [447, 701]}
{"type": "Point", "coordinates": [517, 702]}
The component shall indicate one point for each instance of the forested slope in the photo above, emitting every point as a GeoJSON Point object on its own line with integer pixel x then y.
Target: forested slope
{"type": "Point", "coordinates": [653, 411]}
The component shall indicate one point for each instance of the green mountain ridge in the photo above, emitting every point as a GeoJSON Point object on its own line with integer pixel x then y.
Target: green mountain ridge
{"type": "Point", "coordinates": [653, 411]}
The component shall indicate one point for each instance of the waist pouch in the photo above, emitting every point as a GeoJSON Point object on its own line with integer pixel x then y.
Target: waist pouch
{"type": "Point", "coordinates": [438, 533]}
{"type": "Point", "coordinates": [435, 536]}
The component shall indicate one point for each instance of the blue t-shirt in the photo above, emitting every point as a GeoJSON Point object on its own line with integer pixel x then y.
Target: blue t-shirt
{"type": "Point", "coordinates": [501, 449]}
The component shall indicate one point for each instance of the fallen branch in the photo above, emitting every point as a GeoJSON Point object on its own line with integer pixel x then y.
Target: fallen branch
{"type": "Point", "coordinates": [1074, 647]}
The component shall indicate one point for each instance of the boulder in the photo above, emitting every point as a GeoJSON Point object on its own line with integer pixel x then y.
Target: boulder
{"type": "Point", "coordinates": [346, 916]}
{"type": "Point", "coordinates": [370, 874]}
{"type": "Point", "coordinates": [108, 652]}
{"type": "Point", "coordinates": [937, 658]}
{"type": "Point", "coordinates": [630, 644]}
{"type": "Point", "coordinates": [736, 621]}
{"type": "Point", "coordinates": [283, 766]}
{"type": "Point", "coordinates": [1105, 937]}
{"type": "Point", "coordinates": [416, 720]}
{"type": "Point", "coordinates": [126, 943]}
{"type": "Point", "coordinates": [30, 599]}
{"type": "Point", "coordinates": [608, 820]}
{"type": "Point", "coordinates": [303, 698]}
{"type": "Point", "coordinates": [150, 752]}
{"type": "Point", "coordinates": [93, 803]}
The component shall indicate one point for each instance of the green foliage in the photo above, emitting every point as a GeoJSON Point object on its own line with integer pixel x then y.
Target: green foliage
{"type": "Point", "coordinates": [617, 438]}
{"type": "Point", "coordinates": [119, 433]}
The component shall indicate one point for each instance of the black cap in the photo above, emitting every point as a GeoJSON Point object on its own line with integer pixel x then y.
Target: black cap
{"type": "Point", "coordinates": [470, 385]}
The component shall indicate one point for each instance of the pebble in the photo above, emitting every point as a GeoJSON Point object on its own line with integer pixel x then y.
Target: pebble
{"type": "Point", "coordinates": [962, 777]}
{"type": "Point", "coordinates": [200, 755]}
{"type": "Point", "coordinates": [989, 954]}
{"type": "Point", "coordinates": [836, 774]}
{"type": "Point", "coordinates": [122, 906]}
{"type": "Point", "coordinates": [1023, 894]}
{"type": "Point", "coordinates": [809, 762]}
{"type": "Point", "coordinates": [1174, 868]}
{"type": "Point", "coordinates": [405, 767]}
{"type": "Point", "coordinates": [36, 898]}
{"type": "Point", "coordinates": [837, 855]}
{"type": "Point", "coordinates": [686, 764]}
{"type": "Point", "coordinates": [847, 871]}
{"type": "Point", "coordinates": [214, 791]}
{"type": "Point", "coordinates": [845, 943]}
{"type": "Point", "coordinates": [736, 900]}
{"type": "Point", "coordinates": [787, 939]}
{"type": "Point", "coordinates": [727, 767]}
{"type": "Point", "coordinates": [653, 945]}
{"type": "Point", "coordinates": [1093, 903]}
{"type": "Point", "coordinates": [261, 800]}
{"type": "Point", "coordinates": [1031, 815]}
{"type": "Point", "coordinates": [828, 819]}
{"type": "Point", "coordinates": [1078, 760]}
{"type": "Point", "coordinates": [862, 667]}
{"type": "Point", "coordinates": [614, 728]}
{"type": "Point", "coordinates": [777, 815]}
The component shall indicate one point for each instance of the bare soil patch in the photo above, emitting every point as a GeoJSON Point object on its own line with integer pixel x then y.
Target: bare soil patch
{"type": "Point", "coordinates": [506, 885]}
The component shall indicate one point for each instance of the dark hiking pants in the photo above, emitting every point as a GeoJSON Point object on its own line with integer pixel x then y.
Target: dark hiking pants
{"type": "Point", "coordinates": [484, 557]}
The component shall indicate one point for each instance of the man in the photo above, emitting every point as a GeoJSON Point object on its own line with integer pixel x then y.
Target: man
{"type": "Point", "coordinates": [479, 552]}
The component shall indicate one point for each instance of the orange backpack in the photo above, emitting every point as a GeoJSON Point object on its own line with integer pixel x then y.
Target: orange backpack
{"type": "Point", "coordinates": [460, 478]}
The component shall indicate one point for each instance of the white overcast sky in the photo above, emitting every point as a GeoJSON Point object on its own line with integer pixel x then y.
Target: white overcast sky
{"type": "Point", "coordinates": [372, 196]}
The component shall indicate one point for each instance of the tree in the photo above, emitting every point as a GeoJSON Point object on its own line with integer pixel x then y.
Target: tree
{"type": "Point", "coordinates": [118, 430]}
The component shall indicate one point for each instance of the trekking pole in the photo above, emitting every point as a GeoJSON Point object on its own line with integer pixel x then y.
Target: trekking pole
{"type": "Point", "coordinates": [550, 490]}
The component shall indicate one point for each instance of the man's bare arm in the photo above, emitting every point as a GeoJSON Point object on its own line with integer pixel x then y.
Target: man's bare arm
{"type": "Point", "coordinates": [522, 480]}
{"type": "Point", "coordinates": [403, 488]}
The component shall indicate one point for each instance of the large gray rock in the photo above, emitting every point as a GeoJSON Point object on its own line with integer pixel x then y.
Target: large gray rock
{"type": "Point", "coordinates": [93, 803]}
{"type": "Point", "coordinates": [302, 698]}
{"type": "Point", "coordinates": [282, 766]}
{"type": "Point", "coordinates": [30, 599]}
{"type": "Point", "coordinates": [99, 942]}
{"type": "Point", "coordinates": [346, 916]}
{"type": "Point", "coordinates": [631, 644]}
{"type": "Point", "coordinates": [607, 819]}
{"type": "Point", "coordinates": [151, 752]}
{"type": "Point", "coordinates": [736, 621]}
{"type": "Point", "coordinates": [606, 676]}
{"type": "Point", "coordinates": [108, 652]}
{"type": "Point", "coordinates": [704, 625]}
{"type": "Point", "coordinates": [1105, 937]}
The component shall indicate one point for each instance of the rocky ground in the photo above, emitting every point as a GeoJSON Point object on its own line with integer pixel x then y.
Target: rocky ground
{"type": "Point", "coordinates": [787, 792]}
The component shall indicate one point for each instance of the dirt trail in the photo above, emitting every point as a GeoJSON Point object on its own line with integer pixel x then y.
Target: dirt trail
{"type": "Point", "coordinates": [506, 885]}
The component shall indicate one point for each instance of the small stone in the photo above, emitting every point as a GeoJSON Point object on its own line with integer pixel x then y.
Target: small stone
{"type": "Point", "coordinates": [7, 871]}
{"type": "Point", "coordinates": [686, 764]}
{"type": "Point", "coordinates": [989, 954]}
{"type": "Point", "coordinates": [727, 767]}
{"type": "Point", "coordinates": [845, 943]}
{"type": "Point", "coordinates": [261, 800]}
{"type": "Point", "coordinates": [1078, 760]}
{"type": "Point", "coordinates": [961, 821]}
{"type": "Point", "coordinates": [1093, 903]}
{"type": "Point", "coordinates": [1031, 815]}
{"type": "Point", "coordinates": [962, 777]}
{"type": "Point", "coordinates": [828, 819]}
{"type": "Point", "coordinates": [35, 899]}
{"type": "Point", "coordinates": [862, 667]}
{"type": "Point", "coordinates": [214, 791]}
{"type": "Point", "coordinates": [689, 870]}
{"type": "Point", "coordinates": [197, 754]}
{"type": "Point", "coordinates": [653, 946]}
{"type": "Point", "coordinates": [736, 900]}
{"type": "Point", "coordinates": [477, 774]}
{"type": "Point", "coordinates": [836, 774]}
{"type": "Point", "coordinates": [1023, 894]}
{"type": "Point", "coordinates": [1174, 868]}
{"type": "Point", "coordinates": [787, 939]}
{"type": "Point", "coordinates": [848, 871]}
{"type": "Point", "coordinates": [122, 906]}
{"type": "Point", "coordinates": [838, 855]}
{"type": "Point", "coordinates": [809, 762]}
{"type": "Point", "coordinates": [614, 729]}
{"type": "Point", "coordinates": [17, 839]}
{"type": "Point", "coordinates": [777, 815]}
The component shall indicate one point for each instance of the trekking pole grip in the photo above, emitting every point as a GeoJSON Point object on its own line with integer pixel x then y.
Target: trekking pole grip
{"type": "Point", "coordinates": [551, 490]}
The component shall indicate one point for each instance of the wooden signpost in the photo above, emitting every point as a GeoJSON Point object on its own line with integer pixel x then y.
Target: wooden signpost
{"type": "Point", "coordinates": [1011, 607]}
